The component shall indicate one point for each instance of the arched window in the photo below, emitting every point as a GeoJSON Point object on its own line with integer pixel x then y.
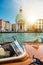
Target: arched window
{"type": "Point", "coordinates": [21, 27]}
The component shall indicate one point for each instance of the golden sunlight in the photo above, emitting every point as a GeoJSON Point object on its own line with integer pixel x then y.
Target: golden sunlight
{"type": "Point", "coordinates": [32, 19]}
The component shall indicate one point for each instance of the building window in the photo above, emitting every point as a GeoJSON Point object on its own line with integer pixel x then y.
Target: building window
{"type": "Point", "coordinates": [21, 27]}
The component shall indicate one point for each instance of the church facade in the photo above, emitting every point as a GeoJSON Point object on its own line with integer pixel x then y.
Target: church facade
{"type": "Point", "coordinates": [20, 22]}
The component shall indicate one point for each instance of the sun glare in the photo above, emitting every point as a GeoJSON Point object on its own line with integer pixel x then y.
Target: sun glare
{"type": "Point", "coordinates": [32, 19]}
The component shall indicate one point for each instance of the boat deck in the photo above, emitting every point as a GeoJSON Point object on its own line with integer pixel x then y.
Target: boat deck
{"type": "Point", "coordinates": [31, 49]}
{"type": "Point", "coordinates": [34, 49]}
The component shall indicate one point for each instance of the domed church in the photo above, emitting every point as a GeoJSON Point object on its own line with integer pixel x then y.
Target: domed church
{"type": "Point", "coordinates": [20, 22]}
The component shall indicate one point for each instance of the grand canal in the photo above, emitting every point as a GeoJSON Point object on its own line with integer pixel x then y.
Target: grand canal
{"type": "Point", "coordinates": [21, 37]}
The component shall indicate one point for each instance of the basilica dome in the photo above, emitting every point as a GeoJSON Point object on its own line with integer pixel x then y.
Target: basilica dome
{"type": "Point", "coordinates": [20, 16]}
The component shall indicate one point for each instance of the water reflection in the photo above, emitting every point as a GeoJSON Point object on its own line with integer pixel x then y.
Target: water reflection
{"type": "Point", "coordinates": [21, 37]}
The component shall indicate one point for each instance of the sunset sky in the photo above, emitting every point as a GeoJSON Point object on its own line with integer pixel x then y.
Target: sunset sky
{"type": "Point", "coordinates": [32, 9]}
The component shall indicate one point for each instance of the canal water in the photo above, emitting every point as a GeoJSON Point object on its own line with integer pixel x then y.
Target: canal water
{"type": "Point", "coordinates": [21, 37]}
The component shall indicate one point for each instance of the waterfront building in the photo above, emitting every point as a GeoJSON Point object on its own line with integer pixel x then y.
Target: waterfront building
{"type": "Point", "coordinates": [29, 29]}
{"type": "Point", "coordinates": [20, 22]}
{"type": "Point", "coordinates": [39, 25]}
{"type": "Point", "coordinates": [8, 26]}
{"type": "Point", "coordinates": [14, 27]}
{"type": "Point", "coordinates": [5, 26]}
{"type": "Point", "coordinates": [2, 25]}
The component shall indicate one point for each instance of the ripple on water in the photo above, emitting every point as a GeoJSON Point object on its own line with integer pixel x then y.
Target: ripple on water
{"type": "Point", "coordinates": [21, 37]}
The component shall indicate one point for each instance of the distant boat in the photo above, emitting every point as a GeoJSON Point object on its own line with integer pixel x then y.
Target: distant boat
{"type": "Point", "coordinates": [36, 41]}
{"type": "Point", "coordinates": [41, 39]}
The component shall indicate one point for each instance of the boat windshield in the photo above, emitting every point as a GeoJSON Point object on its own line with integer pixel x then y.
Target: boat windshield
{"type": "Point", "coordinates": [11, 49]}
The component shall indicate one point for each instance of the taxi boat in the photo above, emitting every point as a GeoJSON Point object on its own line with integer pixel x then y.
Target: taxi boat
{"type": "Point", "coordinates": [12, 52]}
